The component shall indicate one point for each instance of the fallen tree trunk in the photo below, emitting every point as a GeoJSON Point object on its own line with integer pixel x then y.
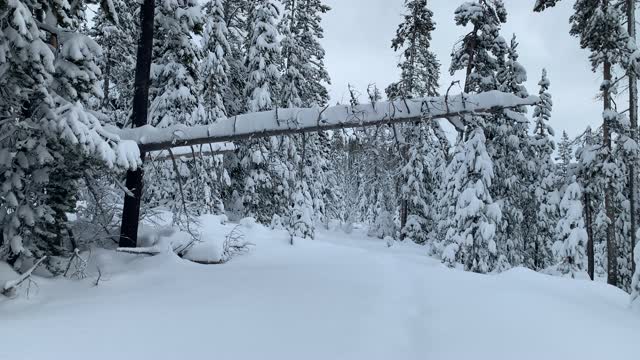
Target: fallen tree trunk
{"type": "Point", "coordinates": [297, 120]}
{"type": "Point", "coordinates": [302, 120]}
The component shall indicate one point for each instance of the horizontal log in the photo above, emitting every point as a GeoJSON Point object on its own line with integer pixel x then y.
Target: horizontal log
{"type": "Point", "coordinates": [301, 120]}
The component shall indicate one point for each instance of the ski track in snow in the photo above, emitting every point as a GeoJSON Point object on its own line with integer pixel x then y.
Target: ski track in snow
{"type": "Point", "coordinates": [339, 297]}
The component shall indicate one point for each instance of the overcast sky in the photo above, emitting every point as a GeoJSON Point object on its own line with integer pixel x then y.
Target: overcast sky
{"type": "Point", "coordinates": [358, 36]}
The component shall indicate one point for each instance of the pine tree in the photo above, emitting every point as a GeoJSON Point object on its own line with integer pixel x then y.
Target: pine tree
{"type": "Point", "coordinates": [303, 85]}
{"type": "Point", "coordinates": [46, 97]}
{"type": "Point", "coordinates": [263, 57]}
{"type": "Point", "coordinates": [478, 51]}
{"type": "Point", "coordinates": [422, 176]}
{"type": "Point", "coordinates": [597, 23]}
{"type": "Point", "coordinates": [176, 56]}
{"type": "Point", "coordinates": [118, 42]}
{"type": "Point", "coordinates": [305, 74]}
{"type": "Point", "coordinates": [314, 91]}
{"type": "Point", "coordinates": [591, 181]}
{"type": "Point", "coordinates": [174, 183]}
{"type": "Point", "coordinates": [300, 219]}
{"type": "Point", "coordinates": [263, 178]}
{"type": "Point", "coordinates": [565, 155]}
{"type": "Point", "coordinates": [472, 236]}
{"type": "Point", "coordinates": [546, 194]}
{"type": "Point", "coordinates": [236, 16]}
{"type": "Point", "coordinates": [469, 211]}
{"type": "Point", "coordinates": [570, 248]}
{"type": "Point", "coordinates": [420, 70]}
{"type": "Point", "coordinates": [508, 139]}
{"type": "Point", "coordinates": [215, 73]}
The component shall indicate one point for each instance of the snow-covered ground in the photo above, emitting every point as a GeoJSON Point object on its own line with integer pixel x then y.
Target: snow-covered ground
{"type": "Point", "coordinates": [338, 297]}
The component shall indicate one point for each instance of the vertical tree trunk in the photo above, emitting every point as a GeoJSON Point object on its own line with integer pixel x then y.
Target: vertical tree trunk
{"type": "Point", "coordinates": [107, 78]}
{"type": "Point", "coordinates": [612, 251]}
{"type": "Point", "coordinates": [131, 209]}
{"type": "Point", "coordinates": [588, 215]}
{"type": "Point", "coordinates": [404, 216]}
{"type": "Point", "coordinates": [633, 117]}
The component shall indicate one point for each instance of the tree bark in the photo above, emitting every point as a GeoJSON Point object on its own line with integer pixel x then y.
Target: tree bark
{"type": "Point", "coordinates": [588, 215]}
{"type": "Point", "coordinates": [131, 209]}
{"type": "Point", "coordinates": [633, 117]}
{"type": "Point", "coordinates": [612, 250]}
{"type": "Point", "coordinates": [107, 79]}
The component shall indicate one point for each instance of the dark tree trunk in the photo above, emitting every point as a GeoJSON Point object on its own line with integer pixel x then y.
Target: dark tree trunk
{"type": "Point", "coordinates": [131, 209]}
{"type": "Point", "coordinates": [107, 79]}
{"type": "Point", "coordinates": [404, 216]}
{"type": "Point", "coordinates": [588, 215]}
{"type": "Point", "coordinates": [612, 249]}
{"type": "Point", "coordinates": [633, 117]}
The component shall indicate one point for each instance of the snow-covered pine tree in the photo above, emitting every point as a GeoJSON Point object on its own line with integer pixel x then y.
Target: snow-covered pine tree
{"type": "Point", "coordinates": [174, 99]}
{"type": "Point", "coordinates": [303, 84]}
{"type": "Point", "coordinates": [422, 173]}
{"type": "Point", "coordinates": [305, 75]}
{"type": "Point", "coordinates": [419, 67]}
{"type": "Point", "coordinates": [565, 155]}
{"type": "Point", "coordinates": [309, 27]}
{"type": "Point", "coordinates": [419, 76]}
{"type": "Point", "coordinates": [478, 50]}
{"type": "Point", "coordinates": [236, 14]}
{"type": "Point", "coordinates": [215, 67]}
{"type": "Point", "coordinates": [261, 176]}
{"type": "Point", "coordinates": [467, 204]}
{"type": "Point", "coordinates": [546, 193]}
{"type": "Point", "coordinates": [508, 139]}
{"type": "Point", "coordinates": [174, 69]}
{"type": "Point", "coordinates": [263, 57]}
{"type": "Point", "coordinates": [300, 220]}
{"type": "Point", "coordinates": [300, 215]}
{"type": "Point", "coordinates": [599, 26]}
{"type": "Point", "coordinates": [590, 179]}
{"type": "Point", "coordinates": [572, 236]}
{"type": "Point", "coordinates": [118, 42]}
{"type": "Point", "coordinates": [46, 99]}
{"type": "Point", "coordinates": [623, 214]}
{"type": "Point", "coordinates": [471, 238]}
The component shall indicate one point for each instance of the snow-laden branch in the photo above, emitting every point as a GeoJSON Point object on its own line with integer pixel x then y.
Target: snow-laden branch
{"type": "Point", "coordinates": [10, 286]}
{"type": "Point", "coordinates": [195, 151]}
{"type": "Point", "coordinates": [298, 120]}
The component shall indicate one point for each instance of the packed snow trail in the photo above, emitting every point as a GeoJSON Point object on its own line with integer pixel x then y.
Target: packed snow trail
{"type": "Point", "coordinates": [338, 297]}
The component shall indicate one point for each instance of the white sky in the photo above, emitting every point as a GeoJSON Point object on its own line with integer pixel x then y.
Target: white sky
{"type": "Point", "coordinates": [358, 37]}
